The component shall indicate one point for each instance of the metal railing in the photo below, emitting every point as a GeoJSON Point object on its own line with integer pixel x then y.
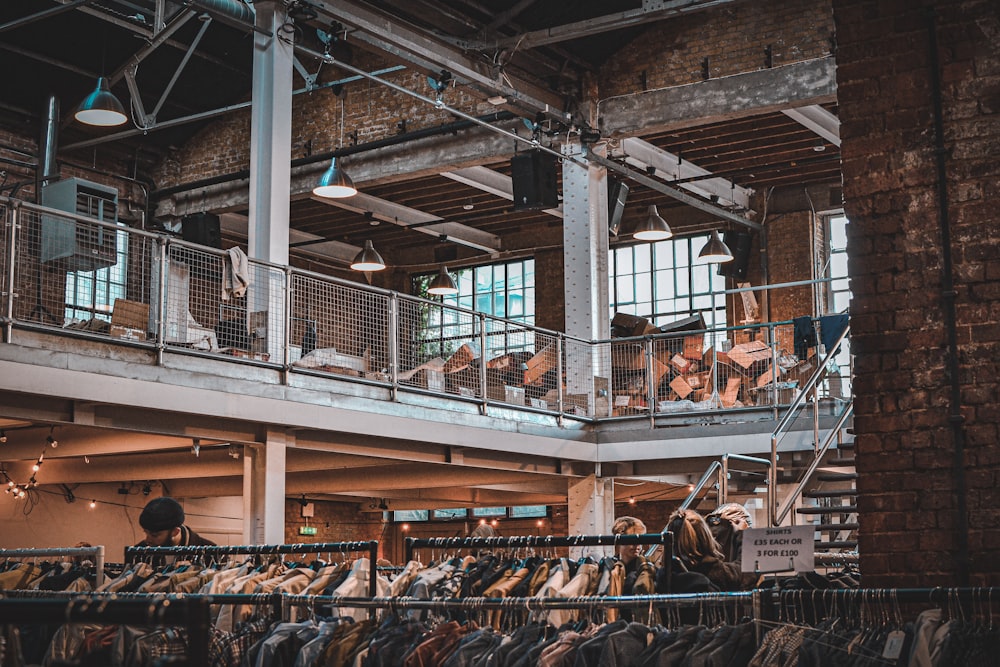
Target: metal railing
{"type": "Point", "coordinates": [789, 417]}
{"type": "Point", "coordinates": [76, 276]}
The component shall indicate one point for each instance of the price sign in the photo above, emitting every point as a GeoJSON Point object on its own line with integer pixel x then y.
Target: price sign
{"type": "Point", "coordinates": [786, 549]}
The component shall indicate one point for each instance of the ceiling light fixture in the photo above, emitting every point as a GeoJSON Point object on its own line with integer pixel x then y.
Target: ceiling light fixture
{"type": "Point", "coordinates": [51, 438]}
{"type": "Point", "coordinates": [368, 259]}
{"type": "Point", "coordinates": [335, 183]}
{"type": "Point", "coordinates": [443, 284]}
{"type": "Point", "coordinates": [715, 251]}
{"type": "Point", "coordinates": [653, 227]}
{"type": "Point", "coordinates": [101, 107]}
{"type": "Point", "coordinates": [3, 436]}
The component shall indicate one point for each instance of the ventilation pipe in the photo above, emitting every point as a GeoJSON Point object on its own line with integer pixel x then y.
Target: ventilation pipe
{"type": "Point", "coordinates": [235, 9]}
{"type": "Point", "coordinates": [47, 170]}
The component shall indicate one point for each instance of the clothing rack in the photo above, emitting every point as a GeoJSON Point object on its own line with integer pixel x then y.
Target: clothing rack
{"type": "Point", "coordinates": [774, 601]}
{"type": "Point", "coordinates": [97, 553]}
{"type": "Point", "coordinates": [370, 546]}
{"type": "Point", "coordinates": [413, 543]}
{"type": "Point", "coordinates": [191, 612]}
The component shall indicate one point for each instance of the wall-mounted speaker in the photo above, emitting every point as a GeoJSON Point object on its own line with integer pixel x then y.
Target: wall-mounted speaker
{"type": "Point", "coordinates": [203, 229]}
{"type": "Point", "coordinates": [534, 180]}
{"type": "Point", "coordinates": [617, 195]}
{"type": "Point", "coordinates": [739, 244]}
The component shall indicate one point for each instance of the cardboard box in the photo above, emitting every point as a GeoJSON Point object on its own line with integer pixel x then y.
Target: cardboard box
{"type": "Point", "coordinates": [117, 331]}
{"type": "Point", "coordinates": [129, 320]}
{"type": "Point", "coordinates": [514, 395]}
{"type": "Point", "coordinates": [747, 354]}
{"type": "Point", "coordinates": [544, 361]}
{"type": "Point", "coordinates": [680, 363]}
{"type": "Point", "coordinates": [463, 357]}
{"type": "Point", "coordinates": [694, 346]}
{"type": "Point", "coordinates": [681, 387]}
{"type": "Point", "coordinates": [731, 393]}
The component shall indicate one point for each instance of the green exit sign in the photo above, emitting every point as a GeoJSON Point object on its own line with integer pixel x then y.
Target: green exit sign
{"type": "Point", "coordinates": [307, 530]}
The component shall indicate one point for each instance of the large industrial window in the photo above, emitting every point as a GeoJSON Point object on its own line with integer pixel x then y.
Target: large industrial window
{"type": "Point", "coordinates": [505, 290]}
{"type": "Point", "coordinates": [838, 294]}
{"type": "Point", "coordinates": [661, 282]}
{"type": "Point", "coordinates": [92, 294]}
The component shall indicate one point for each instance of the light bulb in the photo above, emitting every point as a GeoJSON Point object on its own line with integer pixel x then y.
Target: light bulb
{"type": "Point", "coordinates": [93, 504]}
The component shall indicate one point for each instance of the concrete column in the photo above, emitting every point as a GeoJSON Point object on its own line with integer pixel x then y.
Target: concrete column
{"type": "Point", "coordinates": [591, 509]}
{"type": "Point", "coordinates": [270, 176]}
{"type": "Point", "coordinates": [585, 278]}
{"type": "Point", "coordinates": [264, 490]}
{"type": "Point", "coordinates": [270, 137]}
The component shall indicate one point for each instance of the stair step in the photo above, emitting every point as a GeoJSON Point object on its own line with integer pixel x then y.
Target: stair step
{"type": "Point", "coordinates": [842, 462]}
{"type": "Point", "coordinates": [842, 544]}
{"type": "Point", "coordinates": [841, 509]}
{"type": "Point", "coordinates": [836, 476]}
{"type": "Point", "coordinates": [847, 444]}
{"type": "Point", "coordinates": [836, 526]}
{"type": "Point", "coordinates": [830, 493]}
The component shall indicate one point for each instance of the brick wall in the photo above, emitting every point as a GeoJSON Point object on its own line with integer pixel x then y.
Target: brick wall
{"type": "Point", "coordinates": [734, 40]}
{"type": "Point", "coordinates": [921, 456]}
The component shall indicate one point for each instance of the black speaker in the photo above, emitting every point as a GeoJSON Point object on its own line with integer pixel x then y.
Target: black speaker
{"type": "Point", "coordinates": [534, 180]}
{"type": "Point", "coordinates": [739, 244]}
{"type": "Point", "coordinates": [203, 229]}
{"type": "Point", "coordinates": [617, 195]}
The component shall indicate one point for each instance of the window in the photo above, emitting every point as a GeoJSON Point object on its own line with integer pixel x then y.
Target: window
{"type": "Point", "coordinates": [504, 290]}
{"type": "Point", "coordinates": [516, 512]}
{"type": "Point", "coordinates": [92, 294]}
{"type": "Point", "coordinates": [661, 282]}
{"type": "Point", "coordinates": [838, 293]}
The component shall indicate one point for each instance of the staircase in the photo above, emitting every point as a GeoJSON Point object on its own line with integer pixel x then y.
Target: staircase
{"type": "Point", "coordinates": [831, 505]}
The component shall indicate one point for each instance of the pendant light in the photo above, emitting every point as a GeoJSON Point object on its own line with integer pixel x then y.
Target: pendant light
{"type": "Point", "coordinates": [715, 251]}
{"type": "Point", "coordinates": [443, 284]}
{"type": "Point", "coordinates": [368, 259]}
{"type": "Point", "coordinates": [101, 107]}
{"type": "Point", "coordinates": [653, 227]}
{"type": "Point", "coordinates": [335, 183]}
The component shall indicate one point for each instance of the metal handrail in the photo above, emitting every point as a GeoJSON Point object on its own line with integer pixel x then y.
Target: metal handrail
{"type": "Point", "coordinates": [792, 411]}
{"type": "Point", "coordinates": [807, 474]}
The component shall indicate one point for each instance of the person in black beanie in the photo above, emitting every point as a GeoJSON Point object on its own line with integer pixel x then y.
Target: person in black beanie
{"type": "Point", "coordinates": [162, 521]}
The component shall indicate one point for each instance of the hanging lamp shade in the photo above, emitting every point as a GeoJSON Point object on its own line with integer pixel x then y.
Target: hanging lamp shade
{"type": "Point", "coordinates": [335, 183]}
{"type": "Point", "coordinates": [368, 259]}
{"type": "Point", "coordinates": [715, 251]}
{"type": "Point", "coordinates": [101, 107]}
{"type": "Point", "coordinates": [443, 284]}
{"type": "Point", "coordinates": [653, 227]}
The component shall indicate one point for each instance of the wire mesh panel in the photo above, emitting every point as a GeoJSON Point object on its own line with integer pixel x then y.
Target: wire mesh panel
{"type": "Point", "coordinates": [339, 329]}
{"type": "Point", "coordinates": [195, 315]}
{"type": "Point", "coordinates": [6, 231]}
{"type": "Point", "coordinates": [439, 348]}
{"type": "Point", "coordinates": [542, 380]}
{"type": "Point", "coordinates": [80, 274]}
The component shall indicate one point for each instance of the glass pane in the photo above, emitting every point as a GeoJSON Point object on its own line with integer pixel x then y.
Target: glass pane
{"type": "Point", "coordinates": [664, 254]}
{"type": "Point", "coordinates": [457, 513]}
{"type": "Point", "coordinates": [838, 232]}
{"type": "Point", "coordinates": [625, 293]}
{"type": "Point", "coordinates": [410, 515]}
{"type": "Point", "coordinates": [643, 259]}
{"type": "Point", "coordinates": [643, 288]}
{"type": "Point", "coordinates": [489, 511]}
{"type": "Point", "coordinates": [525, 511]}
{"type": "Point", "coordinates": [623, 261]}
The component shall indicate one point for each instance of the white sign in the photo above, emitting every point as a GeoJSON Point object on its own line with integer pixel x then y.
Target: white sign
{"type": "Point", "coordinates": [785, 549]}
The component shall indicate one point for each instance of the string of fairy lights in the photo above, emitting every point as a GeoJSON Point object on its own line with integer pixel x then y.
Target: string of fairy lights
{"type": "Point", "coordinates": [20, 489]}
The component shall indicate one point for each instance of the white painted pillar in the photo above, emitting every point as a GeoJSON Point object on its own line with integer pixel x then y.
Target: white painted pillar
{"type": "Point", "coordinates": [591, 509]}
{"type": "Point", "coordinates": [270, 177]}
{"type": "Point", "coordinates": [264, 489]}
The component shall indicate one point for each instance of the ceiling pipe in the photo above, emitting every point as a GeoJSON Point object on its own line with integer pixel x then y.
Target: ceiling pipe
{"type": "Point", "coordinates": [46, 169]}
{"type": "Point", "coordinates": [234, 9]}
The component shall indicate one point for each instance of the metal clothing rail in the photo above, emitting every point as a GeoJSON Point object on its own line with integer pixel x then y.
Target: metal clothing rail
{"type": "Point", "coordinates": [528, 603]}
{"type": "Point", "coordinates": [190, 611]}
{"type": "Point", "coordinates": [97, 552]}
{"type": "Point", "coordinates": [413, 543]}
{"type": "Point", "coordinates": [371, 546]}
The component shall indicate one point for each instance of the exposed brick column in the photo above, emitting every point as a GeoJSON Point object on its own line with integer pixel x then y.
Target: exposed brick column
{"type": "Point", "coordinates": [910, 419]}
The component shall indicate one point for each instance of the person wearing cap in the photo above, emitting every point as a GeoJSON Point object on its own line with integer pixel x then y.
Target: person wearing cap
{"type": "Point", "coordinates": [162, 521]}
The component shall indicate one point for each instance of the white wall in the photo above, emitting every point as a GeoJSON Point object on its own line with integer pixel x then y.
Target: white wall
{"type": "Point", "coordinates": [51, 521]}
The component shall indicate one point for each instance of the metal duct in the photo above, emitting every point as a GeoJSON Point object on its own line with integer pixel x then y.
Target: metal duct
{"type": "Point", "coordinates": [236, 9]}
{"type": "Point", "coordinates": [47, 146]}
